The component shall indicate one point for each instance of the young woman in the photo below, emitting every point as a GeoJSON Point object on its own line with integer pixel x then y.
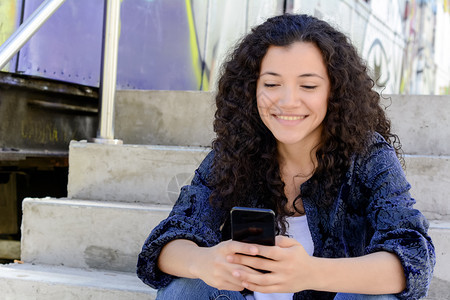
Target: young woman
{"type": "Point", "coordinates": [300, 131]}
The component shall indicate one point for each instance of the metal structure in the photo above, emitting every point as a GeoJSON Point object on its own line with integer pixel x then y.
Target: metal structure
{"type": "Point", "coordinates": [109, 73]}
{"type": "Point", "coordinates": [109, 57]}
{"type": "Point", "coordinates": [41, 116]}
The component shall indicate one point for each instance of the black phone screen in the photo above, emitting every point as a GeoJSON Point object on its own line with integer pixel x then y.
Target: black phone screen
{"type": "Point", "coordinates": [253, 225]}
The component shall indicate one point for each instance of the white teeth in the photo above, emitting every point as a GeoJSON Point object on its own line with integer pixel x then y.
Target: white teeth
{"type": "Point", "coordinates": [291, 118]}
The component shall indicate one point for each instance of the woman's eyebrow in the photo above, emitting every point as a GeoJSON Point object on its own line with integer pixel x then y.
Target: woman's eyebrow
{"type": "Point", "coordinates": [301, 75]}
{"type": "Point", "coordinates": [269, 73]}
{"type": "Point", "coordinates": [310, 75]}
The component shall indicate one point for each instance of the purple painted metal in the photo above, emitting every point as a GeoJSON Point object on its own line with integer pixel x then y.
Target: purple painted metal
{"type": "Point", "coordinates": [154, 50]}
{"type": "Point", "coordinates": [68, 46]}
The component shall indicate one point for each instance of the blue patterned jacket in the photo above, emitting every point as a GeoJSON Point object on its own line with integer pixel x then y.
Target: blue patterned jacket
{"type": "Point", "coordinates": [373, 212]}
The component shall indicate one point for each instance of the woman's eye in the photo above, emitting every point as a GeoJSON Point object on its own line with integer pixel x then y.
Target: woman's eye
{"type": "Point", "coordinates": [269, 85]}
{"type": "Point", "coordinates": [309, 87]}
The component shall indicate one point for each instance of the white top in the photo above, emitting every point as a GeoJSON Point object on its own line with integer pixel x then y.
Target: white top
{"type": "Point", "coordinates": [299, 230]}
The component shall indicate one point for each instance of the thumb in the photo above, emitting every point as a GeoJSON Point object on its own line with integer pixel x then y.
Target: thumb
{"type": "Point", "coordinates": [285, 242]}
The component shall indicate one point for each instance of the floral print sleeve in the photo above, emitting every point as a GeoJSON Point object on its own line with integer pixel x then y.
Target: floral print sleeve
{"type": "Point", "coordinates": [191, 218]}
{"type": "Point", "coordinates": [398, 227]}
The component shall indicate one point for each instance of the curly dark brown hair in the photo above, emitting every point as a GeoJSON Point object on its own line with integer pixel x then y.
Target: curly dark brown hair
{"type": "Point", "coordinates": [245, 165]}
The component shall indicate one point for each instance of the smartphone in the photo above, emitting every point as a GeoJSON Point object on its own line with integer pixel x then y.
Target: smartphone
{"type": "Point", "coordinates": [253, 225]}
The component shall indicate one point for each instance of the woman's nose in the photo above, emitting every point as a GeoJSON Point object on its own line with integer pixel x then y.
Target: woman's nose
{"type": "Point", "coordinates": [290, 97]}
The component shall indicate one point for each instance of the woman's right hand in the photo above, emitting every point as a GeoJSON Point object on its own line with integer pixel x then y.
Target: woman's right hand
{"type": "Point", "coordinates": [213, 265]}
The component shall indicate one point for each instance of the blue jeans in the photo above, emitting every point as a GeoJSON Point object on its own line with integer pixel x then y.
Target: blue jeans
{"type": "Point", "coordinates": [195, 289]}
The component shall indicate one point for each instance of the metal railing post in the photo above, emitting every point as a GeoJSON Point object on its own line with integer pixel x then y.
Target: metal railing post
{"type": "Point", "coordinates": [25, 31]}
{"type": "Point", "coordinates": [109, 73]}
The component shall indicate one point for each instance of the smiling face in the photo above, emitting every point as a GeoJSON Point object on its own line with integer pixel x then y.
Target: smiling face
{"type": "Point", "coordinates": [292, 93]}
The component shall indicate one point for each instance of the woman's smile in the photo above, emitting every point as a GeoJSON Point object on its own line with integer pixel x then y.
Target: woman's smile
{"type": "Point", "coordinates": [290, 118]}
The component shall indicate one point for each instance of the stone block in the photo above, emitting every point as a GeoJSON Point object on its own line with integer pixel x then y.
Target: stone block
{"type": "Point", "coordinates": [182, 118]}
{"type": "Point", "coordinates": [131, 173]}
{"type": "Point", "coordinates": [440, 284]}
{"type": "Point", "coordinates": [26, 281]}
{"type": "Point", "coordinates": [86, 234]}
{"type": "Point", "coordinates": [440, 234]}
{"type": "Point", "coordinates": [421, 121]}
{"type": "Point", "coordinates": [429, 177]}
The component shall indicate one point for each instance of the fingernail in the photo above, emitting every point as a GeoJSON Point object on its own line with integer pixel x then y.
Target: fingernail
{"type": "Point", "coordinates": [244, 284]}
{"type": "Point", "coordinates": [254, 250]}
{"type": "Point", "coordinates": [236, 274]}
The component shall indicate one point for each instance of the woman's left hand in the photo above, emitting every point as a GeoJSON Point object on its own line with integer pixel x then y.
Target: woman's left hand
{"type": "Point", "coordinates": [288, 263]}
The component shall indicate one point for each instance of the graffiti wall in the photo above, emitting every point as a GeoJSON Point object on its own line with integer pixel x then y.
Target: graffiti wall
{"type": "Point", "coordinates": [180, 44]}
{"type": "Point", "coordinates": [404, 42]}
{"type": "Point", "coordinates": [442, 48]}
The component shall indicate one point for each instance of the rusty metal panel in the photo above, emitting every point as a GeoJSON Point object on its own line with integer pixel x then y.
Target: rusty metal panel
{"type": "Point", "coordinates": [41, 117]}
{"type": "Point", "coordinates": [8, 204]}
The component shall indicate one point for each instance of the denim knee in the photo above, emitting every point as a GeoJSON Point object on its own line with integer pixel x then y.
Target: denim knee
{"type": "Point", "coordinates": [185, 288]}
{"type": "Point", "coordinates": [344, 296]}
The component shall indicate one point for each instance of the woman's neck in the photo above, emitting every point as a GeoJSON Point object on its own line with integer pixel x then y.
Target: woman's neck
{"type": "Point", "coordinates": [297, 160]}
{"type": "Point", "coordinates": [297, 165]}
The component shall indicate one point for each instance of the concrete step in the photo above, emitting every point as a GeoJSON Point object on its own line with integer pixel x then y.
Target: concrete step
{"type": "Point", "coordinates": [429, 177]}
{"type": "Point", "coordinates": [182, 118]}
{"type": "Point", "coordinates": [439, 289]}
{"type": "Point", "coordinates": [154, 175]}
{"type": "Point", "coordinates": [131, 173]}
{"type": "Point", "coordinates": [27, 281]}
{"type": "Point", "coordinates": [109, 235]}
{"type": "Point", "coordinates": [439, 232]}
{"type": "Point", "coordinates": [185, 118]}
{"type": "Point", "coordinates": [421, 121]}
{"type": "Point", "coordinates": [86, 234]}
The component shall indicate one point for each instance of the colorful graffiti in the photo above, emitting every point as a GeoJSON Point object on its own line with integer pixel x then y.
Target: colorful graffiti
{"type": "Point", "coordinates": [419, 67]}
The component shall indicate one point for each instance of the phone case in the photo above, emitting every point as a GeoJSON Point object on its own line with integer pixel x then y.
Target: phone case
{"type": "Point", "coordinates": [253, 225]}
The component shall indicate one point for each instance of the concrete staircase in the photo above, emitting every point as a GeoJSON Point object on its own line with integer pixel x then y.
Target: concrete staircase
{"type": "Point", "coordinates": [85, 246]}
